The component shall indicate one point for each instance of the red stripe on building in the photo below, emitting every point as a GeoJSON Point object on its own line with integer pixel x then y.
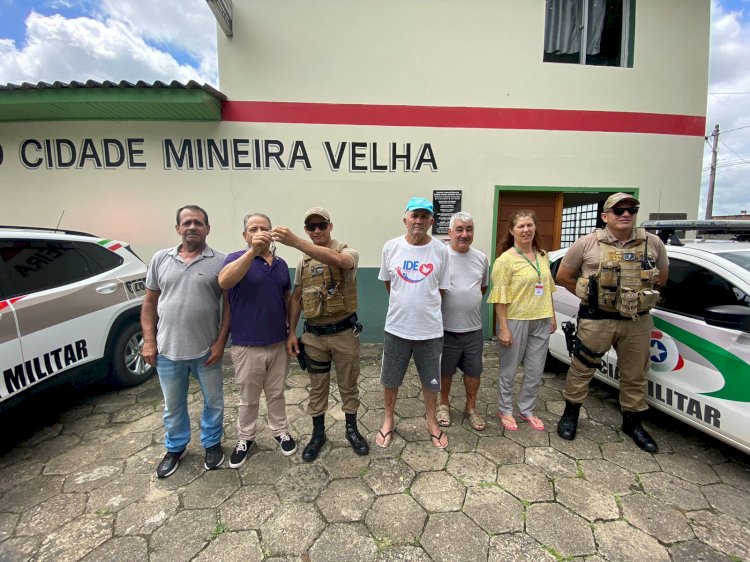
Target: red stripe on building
{"type": "Point", "coordinates": [464, 117]}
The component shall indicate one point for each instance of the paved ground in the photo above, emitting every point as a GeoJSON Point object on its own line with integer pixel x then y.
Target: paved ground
{"type": "Point", "coordinates": [82, 487]}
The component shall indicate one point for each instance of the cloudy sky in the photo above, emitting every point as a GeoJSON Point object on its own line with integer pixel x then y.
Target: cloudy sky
{"type": "Point", "coordinates": [48, 40]}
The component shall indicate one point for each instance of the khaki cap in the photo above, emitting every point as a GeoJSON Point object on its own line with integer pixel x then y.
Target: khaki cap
{"type": "Point", "coordinates": [616, 198]}
{"type": "Point", "coordinates": [320, 211]}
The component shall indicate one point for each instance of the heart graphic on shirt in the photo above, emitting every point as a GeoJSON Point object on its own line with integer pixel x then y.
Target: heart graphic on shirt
{"type": "Point", "coordinates": [425, 269]}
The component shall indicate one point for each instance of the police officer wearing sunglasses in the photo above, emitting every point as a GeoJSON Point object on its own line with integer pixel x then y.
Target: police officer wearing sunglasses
{"type": "Point", "coordinates": [325, 290]}
{"type": "Point", "coordinates": [616, 271]}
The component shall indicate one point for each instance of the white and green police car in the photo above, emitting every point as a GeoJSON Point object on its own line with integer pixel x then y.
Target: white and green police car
{"type": "Point", "coordinates": [700, 345]}
{"type": "Point", "coordinates": [68, 301]}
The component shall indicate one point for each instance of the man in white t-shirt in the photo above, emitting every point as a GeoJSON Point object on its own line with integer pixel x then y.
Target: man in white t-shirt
{"type": "Point", "coordinates": [463, 341]}
{"type": "Point", "coordinates": [415, 270]}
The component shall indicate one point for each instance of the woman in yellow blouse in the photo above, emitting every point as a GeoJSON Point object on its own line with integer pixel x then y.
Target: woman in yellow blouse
{"type": "Point", "coordinates": [522, 289]}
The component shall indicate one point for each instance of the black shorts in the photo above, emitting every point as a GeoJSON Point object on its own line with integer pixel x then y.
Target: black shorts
{"type": "Point", "coordinates": [462, 350]}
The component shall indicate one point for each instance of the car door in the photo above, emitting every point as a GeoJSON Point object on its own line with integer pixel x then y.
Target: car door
{"type": "Point", "coordinates": [701, 373]}
{"type": "Point", "coordinates": [11, 360]}
{"type": "Point", "coordinates": [64, 300]}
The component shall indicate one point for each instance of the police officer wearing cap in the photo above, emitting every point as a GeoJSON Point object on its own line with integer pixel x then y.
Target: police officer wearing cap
{"type": "Point", "coordinates": [325, 290]}
{"type": "Point", "coordinates": [616, 271]}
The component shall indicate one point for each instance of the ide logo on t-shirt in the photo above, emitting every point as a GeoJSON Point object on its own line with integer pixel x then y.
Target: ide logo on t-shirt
{"type": "Point", "coordinates": [414, 272]}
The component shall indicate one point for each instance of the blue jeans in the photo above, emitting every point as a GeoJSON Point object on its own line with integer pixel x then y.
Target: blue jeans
{"type": "Point", "coordinates": [174, 377]}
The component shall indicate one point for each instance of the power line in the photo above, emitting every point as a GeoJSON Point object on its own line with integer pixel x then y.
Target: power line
{"type": "Point", "coordinates": [736, 129]}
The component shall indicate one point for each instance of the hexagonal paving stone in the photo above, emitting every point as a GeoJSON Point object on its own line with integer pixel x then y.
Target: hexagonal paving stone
{"type": "Point", "coordinates": [579, 448]}
{"type": "Point", "coordinates": [92, 477]}
{"type": "Point", "coordinates": [423, 456]}
{"type": "Point", "coordinates": [118, 493]}
{"type": "Point", "coordinates": [608, 477]}
{"type": "Point", "coordinates": [558, 528]}
{"type": "Point", "coordinates": [696, 551]}
{"type": "Point", "coordinates": [674, 491]}
{"type": "Point", "coordinates": [19, 548]}
{"type": "Point", "coordinates": [75, 539]}
{"type": "Point", "coordinates": [471, 469]}
{"type": "Point", "coordinates": [518, 547]}
{"type": "Point", "coordinates": [438, 491]}
{"type": "Point", "coordinates": [618, 541]}
{"type": "Point", "coordinates": [14, 475]}
{"type": "Point", "coordinates": [687, 468]}
{"type": "Point", "coordinates": [586, 500]}
{"type": "Point", "coordinates": [119, 549]}
{"type": "Point", "coordinates": [396, 520]}
{"type": "Point", "coordinates": [44, 518]}
{"type": "Point", "coordinates": [124, 446]}
{"type": "Point", "coordinates": [263, 467]}
{"type": "Point", "coordinates": [143, 518]}
{"type": "Point", "coordinates": [460, 439]}
{"type": "Point", "coordinates": [7, 525]}
{"type": "Point", "coordinates": [596, 432]}
{"type": "Point", "coordinates": [235, 512]}
{"type": "Point", "coordinates": [438, 543]}
{"type": "Point", "coordinates": [500, 450]}
{"type": "Point", "coordinates": [301, 483]}
{"type": "Point", "coordinates": [735, 474]}
{"type": "Point", "coordinates": [658, 520]}
{"type": "Point", "coordinates": [525, 483]}
{"type": "Point", "coordinates": [721, 532]}
{"type": "Point", "coordinates": [527, 437]}
{"type": "Point", "coordinates": [494, 509]}
{"type": "Point", "coordinates": [550, 462]}
{"type": "Point", "coordinates": [344, 501]}
{"type": "Point", "coordinates": [183, 536]}
{"type": "Point", "coordinates": [630, 457]}
{"type": "Point", "coordinates": [242, 546]}
{"type": "Point", "coordinates": [342, 462]}
{"type": "Point", "coordinates": [389, 476]}
{"type": "Point", "coordinates": [31, 492]}
{"type": "Point", "coordinates": [291, 529]}
{"type": "Point", "coordinates": [696, 446]}
{"type": "Point", "coordinates": [353, 539]}
{"type": "Point", "coordinates": [71, 460]}
{"type": "Point", "coordinates": [728, 500]}
{"type": "Point", "coordinates": [403, 554]}
{"type": "Point", "coordinates": [211, 489]}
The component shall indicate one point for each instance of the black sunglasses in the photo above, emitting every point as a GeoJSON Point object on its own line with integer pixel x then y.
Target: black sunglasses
{"type": "Point", "coordinates": [311, 226]}
{"type": "Point", "coordinates": [619, 211]}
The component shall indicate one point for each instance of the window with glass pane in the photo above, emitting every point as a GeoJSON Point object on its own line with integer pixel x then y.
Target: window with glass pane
{"type": "Point", "coordinates": [577, 221]}
{"type": "Point", "coordinates": [591, 32]}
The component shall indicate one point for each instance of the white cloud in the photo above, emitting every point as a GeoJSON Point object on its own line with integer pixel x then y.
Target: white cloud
{"type": "Point", "coordinates": [129, 44]}
{"type": "Point", "coordinates": [729, 107]}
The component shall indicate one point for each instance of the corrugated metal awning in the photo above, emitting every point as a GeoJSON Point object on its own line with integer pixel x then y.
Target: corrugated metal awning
{"type": "Point", "coordinates": [110, 101]}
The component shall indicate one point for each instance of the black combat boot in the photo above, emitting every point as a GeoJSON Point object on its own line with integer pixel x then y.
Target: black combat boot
{"type": "Point", "coordinates": [631, 425]}
{"type": "Point", "coordinates": [358, 443]}
{"type": "Point", "coordinates": [317, 439]}
{"type": "Point", "coordinates": [568, 424]}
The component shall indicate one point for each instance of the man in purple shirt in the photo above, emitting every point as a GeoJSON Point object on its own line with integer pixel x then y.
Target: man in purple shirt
{"type": "Point", "coordinates": [259, 287]}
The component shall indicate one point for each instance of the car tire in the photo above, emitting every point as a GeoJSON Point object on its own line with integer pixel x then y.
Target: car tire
{"type": "Point", "coordinates": [127, 367]}
{"type": "Point", "coordinates": [554, 365]}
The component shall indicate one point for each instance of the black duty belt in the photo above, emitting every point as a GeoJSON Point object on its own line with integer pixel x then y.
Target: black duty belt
{"type": "Point", "coordinates": [589, 313]}
{"type": "Point", "coordinates": [329, 329]}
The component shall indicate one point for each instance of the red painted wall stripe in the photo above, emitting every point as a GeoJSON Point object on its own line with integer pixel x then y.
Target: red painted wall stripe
{"type": "Point", "coordinates": [464, 117]}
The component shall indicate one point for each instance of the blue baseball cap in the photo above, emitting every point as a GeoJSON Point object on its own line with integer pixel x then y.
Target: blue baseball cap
{"type": "Point", "coordinates": [416, 203]}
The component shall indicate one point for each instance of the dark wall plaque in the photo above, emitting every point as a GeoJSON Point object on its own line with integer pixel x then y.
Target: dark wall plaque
{"type": "Point", "coordinates": [446, 202]}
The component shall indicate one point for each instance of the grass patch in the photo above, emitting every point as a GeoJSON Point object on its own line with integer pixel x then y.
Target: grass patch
{"type": "Point", "coordinates": [220, 528]}
{"type": "Point", "coordinates": [579, 470]}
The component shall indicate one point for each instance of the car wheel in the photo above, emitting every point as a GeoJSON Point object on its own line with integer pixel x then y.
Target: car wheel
{"type": "Point", "coordinates": [128, 366]}
{"type": "Point", "coordinates": [554, 365]}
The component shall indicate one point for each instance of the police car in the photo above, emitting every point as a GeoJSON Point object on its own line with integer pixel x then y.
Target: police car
{"type": "Point", "coordinates": [68, 301]}
{"type": "Point", "coordinates": [700, 345]}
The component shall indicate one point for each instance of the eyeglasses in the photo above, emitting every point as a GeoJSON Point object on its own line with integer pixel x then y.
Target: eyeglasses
{"type": "Point", "coordinates": [311, 226]}
{"type": "Point", "coordinates": [619, 211]}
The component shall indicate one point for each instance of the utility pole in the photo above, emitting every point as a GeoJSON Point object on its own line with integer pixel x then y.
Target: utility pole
{"type": "Point", "coordinates": [712, 177]}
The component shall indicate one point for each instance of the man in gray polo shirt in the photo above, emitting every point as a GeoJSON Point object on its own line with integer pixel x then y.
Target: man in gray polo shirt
{"type": "Point", "coordinates": [463, 341]}
{"type": "Point", "coordinates": [184, 333]}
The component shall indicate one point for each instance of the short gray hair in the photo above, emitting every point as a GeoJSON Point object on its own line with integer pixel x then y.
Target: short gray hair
{"type": "Point", "coordinates": [251, 215]}
{"type": "Point", "coordinates": [462, 216]}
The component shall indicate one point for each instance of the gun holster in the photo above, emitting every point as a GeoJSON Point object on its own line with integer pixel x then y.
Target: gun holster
{"type": "Point", "coordinates": [571, 339]}
{"type": "Point", "coordinates": [301, 357]}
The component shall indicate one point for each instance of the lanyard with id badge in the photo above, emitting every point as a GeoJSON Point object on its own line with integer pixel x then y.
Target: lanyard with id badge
{"type": "Point", "coordinates": [539, 286]}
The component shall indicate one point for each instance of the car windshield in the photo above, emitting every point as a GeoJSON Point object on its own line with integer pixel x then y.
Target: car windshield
{"type": "Point", "coordinates": [740, 258]}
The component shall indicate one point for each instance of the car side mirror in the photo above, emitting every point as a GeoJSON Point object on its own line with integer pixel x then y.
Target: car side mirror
{"type": "Point", "coordinates": [732, 316]}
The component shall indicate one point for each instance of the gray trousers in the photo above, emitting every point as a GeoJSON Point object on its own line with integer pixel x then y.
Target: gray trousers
{"type": "Point", "coordinates": [530, 341]}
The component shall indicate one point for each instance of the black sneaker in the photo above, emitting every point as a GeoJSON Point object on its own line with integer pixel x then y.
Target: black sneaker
{"type": "Point", "coordinates": [287, 443]}
{"type": "Point", "coordinates": [239, 455]}
{"type": "Point", "coordinates": [214, 457]}
{"type": "Point", "coordinates": [169, 463]}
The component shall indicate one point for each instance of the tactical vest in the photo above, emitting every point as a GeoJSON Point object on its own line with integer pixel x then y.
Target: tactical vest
{"type": "Point", "coordinates": [626, 280]}
{"type": "Point", "coordinates": [326, 291]}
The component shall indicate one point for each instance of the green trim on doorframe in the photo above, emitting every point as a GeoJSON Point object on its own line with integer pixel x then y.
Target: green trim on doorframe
{"type": "Point", "coordinates": [635, 191]}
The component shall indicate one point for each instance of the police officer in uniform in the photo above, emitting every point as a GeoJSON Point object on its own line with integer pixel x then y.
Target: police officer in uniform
{"type": "Point", "coordinates": [325, 289]}
{"type": "Point", "coordinates": [616, 271]}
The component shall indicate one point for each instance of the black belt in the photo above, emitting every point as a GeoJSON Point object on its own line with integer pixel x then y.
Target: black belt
{"type": "Point", "coordinates": [328, 329]}
{"type": "Point", "coordinates": [589, 313]}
